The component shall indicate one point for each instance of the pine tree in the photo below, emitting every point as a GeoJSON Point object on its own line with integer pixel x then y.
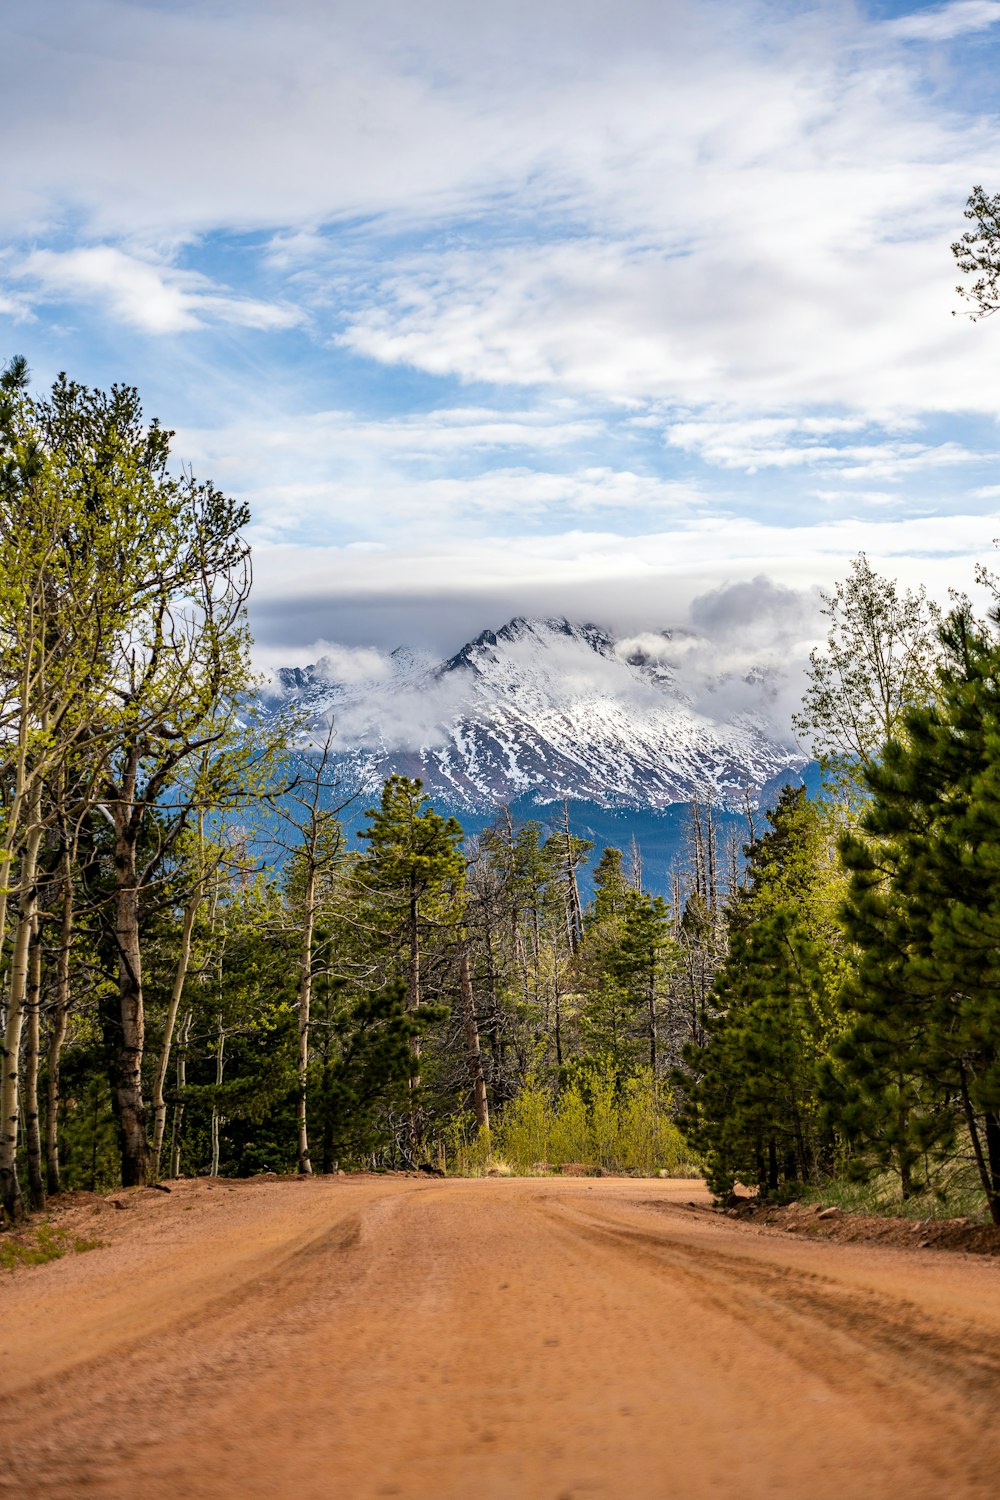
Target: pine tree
{"type": "Point", "coordinates": [642, 960]}
{"type": "Point", "coordinates": [410, 883]}
{"type": "Point", "coordinates": [611, 887]}
{"type": "Point", "coordinates": [750, 1095]}
{"type": "Point", "coordinates": [924, 910]}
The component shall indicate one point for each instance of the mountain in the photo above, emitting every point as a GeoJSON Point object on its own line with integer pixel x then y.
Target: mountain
{"type": "Point", "coordinates": [544, 710]}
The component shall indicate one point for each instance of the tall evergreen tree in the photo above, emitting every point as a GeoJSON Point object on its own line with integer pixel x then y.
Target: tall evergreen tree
{"type": "Point", "coordinates": [410, 882]}
{"type": "Point", "coordinates": [750, 1095]}
{"type": "Point", "coordinates": [924, 908]}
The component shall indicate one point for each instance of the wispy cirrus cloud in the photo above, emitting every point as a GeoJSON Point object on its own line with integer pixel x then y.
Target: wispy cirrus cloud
{"type": "Point", "coordinates": [944, 22]}
{"type": "Point", "coordinates": [576, 291]}
{"type": "Point", "coordinates": [144, 294]}
{"type": "Point", "coordinates": [794, 442]}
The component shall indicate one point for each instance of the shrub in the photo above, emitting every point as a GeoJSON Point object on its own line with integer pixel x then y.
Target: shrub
{"type": "Point", "coordinates": [597, 1120]}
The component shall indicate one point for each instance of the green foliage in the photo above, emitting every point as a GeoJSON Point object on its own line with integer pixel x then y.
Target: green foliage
{"type": "Point", "coordinates": [413, 853]}
{"type": "Point", "coordinates": [89, 1135]}
{"type": "Point", "coordinates": [524, 1134]}
{"type": "Point", "coordinates": [597, 1120]}
{"type": "Point", "coordinates": [977, 254]}
{"type": "Point", "coordinates": [951, 1193]}
{"type": "Point", "coordinates": [924, 911]}
{"type": "Point", "coordinates": [750, 1096]}
{"type": "Point", "coordinates": [470, 1149]}
{"type": "Point", "coordinates": [40, 1243]}
{"type": "Point", "coordinates": [622, 970]}
{"type": "Point", "coordinates": [611, 888]}
{"type": "Point", "coordinates": [879, 661]}
{"type": "Point", "coordinates": [240, 1043]}
{"type": "Point", "coordinates": [366, 1062]}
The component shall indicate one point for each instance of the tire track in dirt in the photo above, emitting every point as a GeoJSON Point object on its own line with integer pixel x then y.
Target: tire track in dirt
{"type": "Point", "coordinates": [812, 1317]}
{"type": "Point", "coordinates": [99, 1412]}
{"type": "Point", "coordinates": [511, 1340]}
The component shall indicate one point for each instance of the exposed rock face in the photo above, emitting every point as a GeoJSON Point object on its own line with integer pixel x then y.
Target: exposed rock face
{"type": "Point", "coordinates": [554, 710]}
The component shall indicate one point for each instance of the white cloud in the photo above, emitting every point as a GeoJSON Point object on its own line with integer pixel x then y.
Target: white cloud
{"type": "Point", "coordinates": [957, 19]}
{"type": "Point", "coordinates": [441, 504]}
{"type": "Point", "coordinates": [742, 651]}
{"type": "Point", "coordinates": [436, 592]}
{"type": "Point", "coordinates": [332, 661]}
{"type": "Point", "coordinates": [855, 327]}
{"type": "Point", "coordinates": [347, 664]}
{"type": "Point", "coordinates": [436, 469]}
{"type": "Point", "coordinates": [146, 295]}
{"type": "Point", "coordinates": [15, 308]}
{"type": "Point", "coordinates": [783, 443]}
{"type": "Point", "coordinates": [854, 497]}
{"type": "Point", "coordinates": [728, 224]}
{"type": "Point", "coordinates": [702, 205]}
{"type": "Point", "coordinates": [353, 441]}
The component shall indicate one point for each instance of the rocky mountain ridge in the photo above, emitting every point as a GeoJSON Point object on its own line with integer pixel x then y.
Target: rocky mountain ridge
{"type": "Point", "coordinates": [552, 710]}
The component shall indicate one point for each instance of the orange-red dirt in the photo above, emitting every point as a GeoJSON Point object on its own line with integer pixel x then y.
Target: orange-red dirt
{"type": "Point", "coordinates": [503, 1340]}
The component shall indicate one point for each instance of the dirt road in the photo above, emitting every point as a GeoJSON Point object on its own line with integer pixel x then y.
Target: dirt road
{"type": "Point", "coordinates": [368, 1337]}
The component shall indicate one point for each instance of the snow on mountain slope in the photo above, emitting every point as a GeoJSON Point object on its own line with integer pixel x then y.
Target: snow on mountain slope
{"type": "Point", "coordinates": [552, 709]}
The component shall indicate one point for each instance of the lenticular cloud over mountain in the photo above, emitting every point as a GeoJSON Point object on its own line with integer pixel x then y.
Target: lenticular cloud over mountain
{"type": "Point", "coordinates": [558, 710]}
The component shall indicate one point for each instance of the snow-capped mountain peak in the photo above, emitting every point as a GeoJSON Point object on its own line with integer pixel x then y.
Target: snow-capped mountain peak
{"type": "Point", "coordinates": [555, 709]}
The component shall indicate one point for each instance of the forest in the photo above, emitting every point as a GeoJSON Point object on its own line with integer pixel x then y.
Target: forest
{"type": "Point", "coordinates": [204, 971]}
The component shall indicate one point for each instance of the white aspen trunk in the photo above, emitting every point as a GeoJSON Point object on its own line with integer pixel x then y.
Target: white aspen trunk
{"type": "Point", "coordinates": [53, 1098]}
{"type": "Point", "coordinates": [57, 1036]}
{"type": "Point", "coordinates": [472, 1042]}
{"type": "Point", "coordinates": [712, 881]}
{"type": "Point", "coordinates": [305, 1002]}
{"type": "Point", "coordinates": [636, 853]}
{"type": "Point", "coordinates": [178, 1120]}
{"type": "Point", "coordinates": [25, 790]}
{"type": "Point", "coordinates": [220, 1063]}
{"type": "Point", "coordinates": [517, 943]}
{"type": "Point", "coordinates": [32, 1052]}
{"type": "Point", "coordinates": [128, 1063]}
{"type": "Point", "coordinates": [537, 956]}
{"type": "Point", "coordinates": [180, 975]}
{"type": "Point", "coordinates": [414, 1123]}
{"type": "Point", "coordinates": [557, 1009]}
{"type": "Point", "coordinates": [575, 906]}
{"type": "Point", "coordinates": [10, 1190]}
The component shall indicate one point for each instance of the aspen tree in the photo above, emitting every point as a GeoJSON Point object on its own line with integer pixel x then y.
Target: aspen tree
{"type": "Point", "coordinates": [205, 864]}
{"type": "Point", "coordinates": [60, 1020]}
{"type": "Point", "coordinates": [121, 634]}
{"type": "Point", "coordinates": [74, 534]}
{"type": "Point", "coordinates": [878, 661]}
{"type": "Point", "coordinates": [309, 809]}
{"type": "Point", "coordinates": [473, 1051]}
{"type": "Point", "coordinates": [977, 254]}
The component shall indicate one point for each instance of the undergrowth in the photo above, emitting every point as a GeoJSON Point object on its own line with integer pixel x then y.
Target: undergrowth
{"type": "Point", "coordinates": [36, 1244]}
{"type": "Point", "coordinates": [596, 1121]}
{"type": "Point", "coordinates": [957, 1195]}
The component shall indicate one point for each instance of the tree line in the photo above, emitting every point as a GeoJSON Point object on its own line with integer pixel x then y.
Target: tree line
{"type": "Point", "coordinates": [820, 1003]}
{"type": "Point", "coordinates": [855, 1026]}
{"type": "Point", "coordinates": [173, 999]}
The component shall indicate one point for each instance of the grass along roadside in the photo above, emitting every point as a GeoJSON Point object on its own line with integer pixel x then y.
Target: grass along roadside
{"type": "Point", "coordinates": [35, 1244]}
{"type": "Point", "coordinates": [957, 1195]}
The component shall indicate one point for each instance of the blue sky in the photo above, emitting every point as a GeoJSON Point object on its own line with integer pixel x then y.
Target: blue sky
{"type": "Point", "coordinates": [551, 307]}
